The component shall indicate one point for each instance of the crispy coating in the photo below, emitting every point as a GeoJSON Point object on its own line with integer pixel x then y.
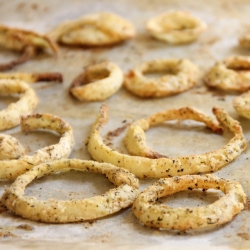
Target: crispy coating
{"type": "Point", "coordinates": [232, 74]}
{"type": "Point", "coordinates": [242, 104]}
{"type": "Point", "coordinates": [135, 138]}
{"type": "Point", "coordinates": [24, 41]}
{"type": "Point", "coordinates": [97, 82]}
{"type": "Point", "coordinates": [74, 210]}
{"type": "Point", "coordinates": [244, 40]}
{"type": "Point", "coordinates": [144, 167]}
{"type": "Point", "coordinates": [98, 29]}
{"type": "Point", "coordinates": [33, 77]}
{"type": "Point", "coordinates": [189, 218]}
{"type": "Point", "coordinates": [10, 169]}
{"type": "Point", "coordinates": [10, 148]}
{"type": "Point", "coordinates": [179, 76]}
{"type": "Point", "coordinates": [176, 27]}
{"type": "Point", "coordinates": [10, 117]}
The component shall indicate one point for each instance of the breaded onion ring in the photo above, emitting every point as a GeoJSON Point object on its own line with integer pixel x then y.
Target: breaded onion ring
{"type": "Point", "coordinates": [10, 169]}
{"type": "Point", "coordinates": [242, 104]}
{"type": "Point", "coordinates": [24, 41]}
{"type": "Point", "coordinates": [10, 117]}
{"type": "Point", "coordinates": [135, 138]}
{"type": "Point", "coordinates": [244, 40]}
{"type": "Point", "coordinates": [189, 218]}
{"type": "Point", "coordinates": [33, 77]}
{"type": "Point", "coordinates": [181, 75]}
{"type": "Point", "coordinates": [97, 82]}
{"type": "Point", "coordinates": [60, 211]}
{"type": "Point", "coordinates": [98, 29]}
{"type": "Point", "coordinates": [144, 167]}
{"type": "Point", "coordinates": [10, 148]}
{"type": "Point", "coordinates": [232, 74]}
{"type": "Point", "coordinates": [175, 27]}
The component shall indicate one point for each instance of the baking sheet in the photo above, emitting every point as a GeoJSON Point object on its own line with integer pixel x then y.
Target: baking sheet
{"type": "Point", "coordinates": [226, 20]}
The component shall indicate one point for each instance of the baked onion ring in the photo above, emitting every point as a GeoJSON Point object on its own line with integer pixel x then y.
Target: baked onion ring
{"type": "Point", "coordinates": [189, 218]}
{"type": "Point", "coordinates": [244, 40]}
{"type": "Point", "coordinates": [10, 169]}
{"type": "Point", "coordinates": [135, 138]}
{"type": "Point", "coordinates": [242, 104]}
{"type": "Point", "coordinates": [144, 167]}
{"type": "Point", "coordinates": [60, 211]}
{"type": "Point", "coordinates": [98, 29]}
{"type": "Point", "coordinates": [33, 77]}
{"type": "Point", "coordinates": [181, 75]}
{"type": "Point", "coordinates": [10, 117]}
{"type": "Point", "coordinates": [232, 74]}
{"type": "Point", "coordinates": [97, 82]}
{"type": "Point", "coordinates": [24, 41]}
{"type": "Point", "coordinates": [177, 27]}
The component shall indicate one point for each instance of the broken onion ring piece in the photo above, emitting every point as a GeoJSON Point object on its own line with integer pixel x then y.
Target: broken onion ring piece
{"type": "Point", "coordinates": [144, 167]}
{"type": "Point", "coordinates": [175, 27]}
{"type": "Point", "coordinates": [97, 83]}
{"type": "Point", "coordinates": [98, 29]}
{"type": "Point", "coordinates": [242, 104]}
{"type": "Point", "coordinates": [33, 77]}
{"type": "Point", "coordinates": [10, 148]}
{"type": "Point", "coordinates": [135, 138]}
{"type": "Point", "coordinates": [232, 74]}
{"type": "Point", "coordinates": [74, 210]}
{"type": "Point", "coordinates": [10, 117]}
{"type": "Point", "coordinates": [23, 41]}
{"type": "Point", "coordinates": [10, 169]}
{"type": "Point", "coordinates": [180, 75]}
{"type": "Point", "coordinates": [189, 218]}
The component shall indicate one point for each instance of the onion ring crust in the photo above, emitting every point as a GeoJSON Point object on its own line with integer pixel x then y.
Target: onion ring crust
{"type": "Point", "coordinates": [97, 83]}
{"type": "Point", "coordinates": [181, 75]}
{"type": "Point", "coordinates": [10, 117]}
{"type": "Point", "coordinates": [60, 211]}
{"type": "Point", "coordinates": [177, 27]}
{"type": "Point", "coordinates": [242, 104]}
{"type": "Point", "coordinates": [232, 74]}
{"type": "Point", "coordinates": [143, 167]}
{"type": "Point", "coordinates": [10, 169]}
{"type": "Point", "coordinates": [189, 218]}
{"type": "Point", "coordinates": [98, 29]}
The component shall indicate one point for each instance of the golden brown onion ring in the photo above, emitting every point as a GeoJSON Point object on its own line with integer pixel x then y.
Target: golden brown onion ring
{"type": "Point", "coordinates": [135, 138]}
{"type": "Point", "coordinates": [232, 74]}
{"type": "Point", "coordinates": [97, 82]}
{"type": "Point", "coordinates": [10, 117]}
{"type": "Point", "coordinates": [242, 104]}
{"type": "Point", "coordinates": [98, 29]}
{"type": "Point", "coordinates": [244, 40]}
{"type": "Point", "coordinates": [74, 210]}
{"type": "Point", "coordinates": [180, 75]}
{"type": "Point", "coordinates": [24, 41]}
{"type": "Point", "coordinates": [176, 27]}
{"type": "Point", "coordinates": [10, 169]}
{"type": "Point", "coordinates": [189, 218]}
{"type": "Point", "coordinates": [144, 167]}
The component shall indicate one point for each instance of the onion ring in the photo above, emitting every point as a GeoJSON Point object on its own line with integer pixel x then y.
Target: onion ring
{"type": "Point", "coordinates": [10, 148]}
{"type": "Point", "coordinates": [175, 27]}
{"type": "Point", "coordinates": [189, 218]}
{"type": "Point", "coordinates": [232, 74]}
{"type": "Point", "coordinates": [135, 138]}
{"type": "Point", "coordinates": [181, 75]}
{"type": "Point", "coordinates": [242, 104]}
{"type": "Point", "coordinates": [10, 169]}
{"type": "Point", "coordinates": [98, 29]}
{"type": "Point", "coordinates": [23, 41]}
{"type": "Point", "coordinates": [10, 117]}
{"type": "Point", "coordinates": [97, 82]}
{"type": "Point", "coordinates": [244, 41]}
{"type": "Point", "coordinates": [33, 77]}
{"type": "Point", "coordinates": [143, 167]}
{"type": "Point", "coordinates": [60, 211]}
